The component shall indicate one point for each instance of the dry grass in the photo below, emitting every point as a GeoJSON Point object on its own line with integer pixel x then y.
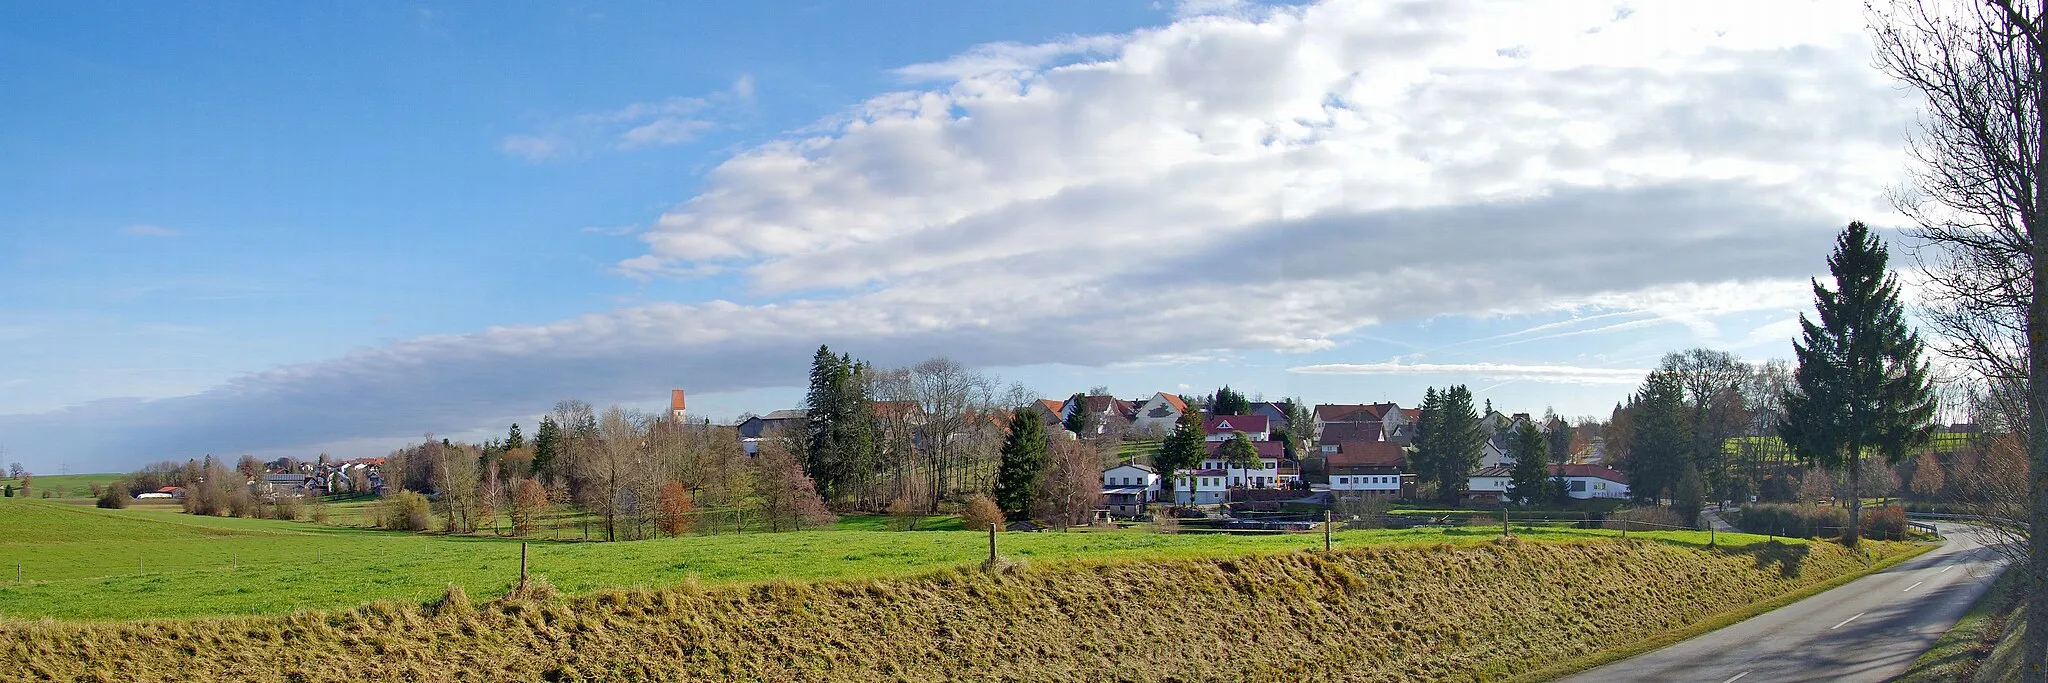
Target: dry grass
{"type": "Point", "coordinates": [1374, 614]}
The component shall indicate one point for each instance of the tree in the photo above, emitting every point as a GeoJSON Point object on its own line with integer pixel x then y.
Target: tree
{"type": "Point", "coordinates": [674, 503]}
{"type": "Point", "coordinates": [547, 448]}
{"type": "Point", "coordinates": [1529, 479]}
{"type": "Point", "coordinates": [1688, 496]}
{"type": "Point", "coordinates": [1982, 153]}
{"type": "Point", "coordinates": [1301, 427]}
{"type": "Point", "coordinates": [1239, 452]}
{"type": "Point", "coordinates": [513, 439]}
{"type": "Point", "coordinates": [1449, 441]}
{"type": "Point", "coordinates": [249, 467]}
{"type": "Point", "coordinates": [839, 436]}
{"type": "Point", "coordinates": [1229, 402]}
{"type": "Point", "coordinates": [1023, 464]}
{"type": "Point", "coordinates": [1182, 450]}
{"type": "Point", "coordinates": [1077, 417]}
{"type": "Point", "coordinates": [16, 471]}
{"type": "Point", "coordinates": [1712, 382]}
{"type": "Point", "coordinates": [1927, 479]}
{"type": "Point", "coordinates": [114, 497]}
{"type": "Point", "coordinates": [1072, 483]}
{"type": "Point", "coordinates": [1860, 384]}
{"type": "Point", "coordinates": [788, 497]}
{"type": "Point", "coordinates": [1659, 437]}
{"type": "Point", "coordinates": [981, 513]}
{"type": "Point", "coordinates": [614, 467]}
{"type": "Point", "coordinates": [529, 503]}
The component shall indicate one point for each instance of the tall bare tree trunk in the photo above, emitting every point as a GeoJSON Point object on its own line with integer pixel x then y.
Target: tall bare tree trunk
{"type": "Point", "coordinates": [2036, 653]}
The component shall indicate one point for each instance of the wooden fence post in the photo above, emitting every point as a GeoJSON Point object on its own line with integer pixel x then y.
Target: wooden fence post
{"type": "Point", "coordinates": [1328, 520]}
{"type": "Point", "coordinates": [992, 542]}
{"type": "Point", "coordinates": [522, 564]}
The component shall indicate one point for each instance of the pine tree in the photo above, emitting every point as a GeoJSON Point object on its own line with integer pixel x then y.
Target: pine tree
{"type": "Point", "coordinates": [1077, 418]}
{"type": "Point", "coordinates": [1229, 402]}
{"type": "Point", "coordinates": [1239, 451]}
{"type": "Point", "coordinates": [1529, 480]}
{"type": "Point", "coordinates": [1182, 450]}
{"type": "Point", "coordinates": [1860, 385]}
{"type": "Point", "coordinates": [821, 411]}
{"type": "Point", "coordinates": [547, 447]}
{"type": "Point", "coordinates": [513, 439]}
{"type": "Point", "coordinates": [1658, 437]}
{"type": "Point", "coordinates": [1023, 463]}
{"type": "Point", "coordinates": [1450, 442]}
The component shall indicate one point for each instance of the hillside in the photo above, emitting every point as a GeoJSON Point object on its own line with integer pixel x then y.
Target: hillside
{"type": "Point", "coordinates": [1370, 614]}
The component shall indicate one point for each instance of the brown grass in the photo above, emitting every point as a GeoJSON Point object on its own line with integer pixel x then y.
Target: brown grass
{"type": "Point", "coordinates": [1372, 614]}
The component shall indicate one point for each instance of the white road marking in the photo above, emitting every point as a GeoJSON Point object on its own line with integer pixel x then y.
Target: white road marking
{"type": "Point", "coordinates": [1845, 622]}
{"type": "Point", "coordinates": [1944, 570]}
{"type": "Point", "coordinates": [1910, 588]}
{"type": "Point", "coordinates": [1736, 678]}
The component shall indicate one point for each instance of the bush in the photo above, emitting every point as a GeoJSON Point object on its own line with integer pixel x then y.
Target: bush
{"type": "Point", "coordinates": [1885, 523]}
{"type": "Point", "coordinates": [1651, 518]}
{"type": "Point", "coordinates": [242, 503]}
{"type": "Point", "coordinates": [113, 497]}
{"type": "Point", "coordinates": [1797, 521]}
{"type": "Point", "coordinates": [287, 508]}
{"type": "Point", "coordinates": [981, 511]}
{"type": "Point", "coordinates": [1163, 521]}
{"type": "Point", "coordinates": [1362, 512]}
{"type": "Point", "coordinates": [405, 510]}
{"type": "Point", "coordinates": [903, 517]}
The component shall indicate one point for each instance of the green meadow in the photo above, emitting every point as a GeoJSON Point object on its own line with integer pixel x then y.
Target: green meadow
{"type": "Point", "coordinates": [79, 562]}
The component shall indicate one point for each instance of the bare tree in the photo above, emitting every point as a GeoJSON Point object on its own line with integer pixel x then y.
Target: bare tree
{"type": "Point", "coordinates": [1072, 483]}
{"type": "Point", "coordinates": [1981, 154]}
{"type": "Point", "coordinates": [1713, 382]}
{"type": "Point", "coordinates": [613, 467]}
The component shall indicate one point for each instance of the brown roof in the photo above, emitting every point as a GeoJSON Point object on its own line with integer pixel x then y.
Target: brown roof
{"type": "Point", "coordinates": [1340, 432]}
{"type": "Point", "coordinates": [1249, 424]}
{"type": "Point", "coordinates": [1598, 471]}
{"type": "Point", "coordinates": [1175, 400]}
{"type": "Point", "coordinates": [1368, 454]}
{"type": "Point", "coordinates": [1343, 412]}
{"type": "Point", "coordinates": [1098, 405]}
{"type": "Point", "coordinates": [897, 408]}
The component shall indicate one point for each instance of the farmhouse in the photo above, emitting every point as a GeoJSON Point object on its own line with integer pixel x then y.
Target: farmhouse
{"type": "Point", "coordinates": [1221, 428]}
{"type": "Point", "coordinates": [1209, 487]}
{"type": "Point", "coordinates": [1128, 488]}
{"type": "Point", "coordinates": [1369, 468]}
{"type": "Point", "coordinates": [1157, 414]}
{"type": "Point", "coordinates": [1272, 458]}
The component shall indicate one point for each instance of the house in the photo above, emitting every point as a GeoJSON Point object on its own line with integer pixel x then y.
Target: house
{"type": "Point", "coordinates": [281, 483]}
{"type": "Point", "coordinates": [1349, 432]}
{"type": "Point", "coordinates": [1388, 416]}
{"type": "Point", "coordinates": [1106, 415]}
{"type": "Point", "coordinates": [1128, 488]}
{"type": "Point", "coordinates": [761, 425]}
{"type": "Point", "coordinates": [1275, 412]}
{"type": "Point", "coordinates": [1050, 412]}
{"type": "Point", "coordinates": [1157, 414]}
{"type": "Point", "coordinates": [1221, 428]}
{"type": "Point", "coordinates": [1487, 485]}
{"type": "Point", "coordinates": [1208, 485]}
{"type": "Point", "coordinates": [1592, 481]}
{"type": "Point", "coordinates": [1369, 468]}
{"type": "Point", "coordinates": [1272, 457]}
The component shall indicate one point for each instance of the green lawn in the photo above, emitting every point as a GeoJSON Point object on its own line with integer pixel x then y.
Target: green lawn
{"type": "Point", "coordinates": [79, 562]}
{"type": "Point", "coordinates": [63, 486]}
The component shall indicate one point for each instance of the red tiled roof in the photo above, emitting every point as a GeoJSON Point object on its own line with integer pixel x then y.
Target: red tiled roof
{"type": "Point", "coordinates": [1379, 410]}
{"type": "Point", "coordinates": [1339, 412]}
{"type": "Point", "coordinates": [897, 408]}
{"type": "Point", "coordinates": [1267, 449]}
{"type": "Point", "coordinates": [1098, 405]}
{"type": "Point", "coordinates": [1596, 471]}
{"type": "Point", "coordinates": [1368, 454]}
{"type": "Point", "coordinates": [1249, 424]}
{"type": "Point", "coordinates": [1173, 399]}
{"type": "Point", "coordinates": [1412, 414]}
{"type": "Point", "coordinates": [1057, 407]}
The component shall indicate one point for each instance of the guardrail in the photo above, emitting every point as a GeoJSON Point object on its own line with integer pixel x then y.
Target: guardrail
{"type": "Point", "coordinates": [2001, 521]}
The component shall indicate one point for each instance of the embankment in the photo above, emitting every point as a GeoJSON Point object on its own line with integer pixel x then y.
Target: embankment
{"type": "Point", "coordinates": [1369, 614]}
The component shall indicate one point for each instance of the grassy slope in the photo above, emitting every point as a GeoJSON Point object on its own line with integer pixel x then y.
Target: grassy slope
{"type": "Point", "coordinates": [80, 562]}
{"type": "Point", "coordinates": [1390, 613]}
{"type": "Point", "coordinates": [63, 486]}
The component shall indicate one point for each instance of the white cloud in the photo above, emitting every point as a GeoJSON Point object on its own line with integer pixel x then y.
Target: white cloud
{"type": "Point", "coordinates": [654, 123]}
{"type": "Point", "coordinates": [1561, 374]}
{"type": "Point", "coordinates": [147, 230]}
{"type": "Point", "coordinates": [1249, 179]}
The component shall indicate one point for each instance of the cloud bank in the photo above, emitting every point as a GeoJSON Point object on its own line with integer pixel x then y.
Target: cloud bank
{"type": "Point", "coordinates": [1249, 179]}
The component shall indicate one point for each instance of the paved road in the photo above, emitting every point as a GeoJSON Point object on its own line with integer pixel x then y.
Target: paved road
{"type": "Point", "coordinates": [1870, 629]}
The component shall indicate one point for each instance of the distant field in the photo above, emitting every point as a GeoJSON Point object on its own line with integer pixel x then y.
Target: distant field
{"type": "Point", "coordinates": [64, 486]}
{"type": "Point", "coordinates": [79, 562]}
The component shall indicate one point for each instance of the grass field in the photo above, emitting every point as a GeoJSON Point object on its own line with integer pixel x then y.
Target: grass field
{"type": "Point", "coordinates": [79, 562]}
{"type": "Point", "coordinates": [63, 486]}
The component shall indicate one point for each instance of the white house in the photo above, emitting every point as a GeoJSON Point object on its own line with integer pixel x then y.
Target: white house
{"type": "Point", "coordinates": [1272, 455]}
{"type": "Point", "coordinates": [1223, 427]}
{"type": "Point", "coordinates": [1157, 414]}
{"type": "Point", "coordinates": [1367, 467]}
{"type": "Point", "coordinates": [1592, 481]}
{"type": "Point", "coordinates": [1128, 488]}
{"type": "Point", "coordinates": [1209, 487]}
{"type": "Point", "coordinates": [1487, 484]}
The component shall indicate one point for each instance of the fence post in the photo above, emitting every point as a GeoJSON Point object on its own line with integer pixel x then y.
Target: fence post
{"type": "Point", "coordinates": [1328, 520]}
{"type": "Point", "coordinates": [991, 542]}
{"type": "Point", "coordinates": [522, 563]}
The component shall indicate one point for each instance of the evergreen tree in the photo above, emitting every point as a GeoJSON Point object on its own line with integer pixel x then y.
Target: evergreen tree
{"type": "Point", "coordinates": [1860, 385]}
{"type": "Point", "coordinates": [1529, 480]}
{"type": "Point", "coordinates": [821, 409]}
{"type": "Point", "coordinates": [1658, 438]}
{"type": "Point", "coordinates": [513, 439]}
{"type": "Point", "coordinates": [1078, 418]}
{"type": "Point", "coordinates": [1229, 402]}
{"type": "Point", "coordinates": [1023, 464]}
{"type": "Point", "coordinates": [841, 451]}
{"type": "Point", "coordinates": [547, 447]}
{"type": "Point", "coordinates": [1182, 450]}
{"type": "Point", "coordinates": [1449, 442]}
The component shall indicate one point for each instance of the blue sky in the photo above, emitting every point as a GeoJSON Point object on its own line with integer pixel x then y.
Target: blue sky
{"type": "Point", "coordinates": [283, 228]}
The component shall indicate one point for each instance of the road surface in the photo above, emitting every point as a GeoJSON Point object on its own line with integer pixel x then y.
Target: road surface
{"type": "Point", "coordinates": [1870, 629]}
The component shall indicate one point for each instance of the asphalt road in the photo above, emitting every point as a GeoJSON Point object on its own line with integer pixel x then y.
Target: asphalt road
{"type": "Point", "coordinates": [1870, 629]}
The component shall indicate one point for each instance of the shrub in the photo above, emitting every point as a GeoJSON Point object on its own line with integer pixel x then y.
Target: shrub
{"type": "Point", "coordinates": [1885, 523]}
{"type": "Point", "coordinates": [903, 517]}
{"type": "Point", "coordinates": [1163, 521]}
{"type": "Point", "coordinates": [113, 497]}
{"type": "Point", "coordinates": [1645, 519]}
{"type": "Point", "coordinates": [242, 503]}
{"type": "Point", "coordinates": [287, 508]}
{"type": "Point", "coordinates": [981, 511]}
{"type": "Point", "coordinates": [1362, 512]}
{"type": "Point", "coordinates": [1798, 521]}
{"type": "Point", "coordinates": [406, 510]}
{"type": "Point", "coordinates": [673, 501]}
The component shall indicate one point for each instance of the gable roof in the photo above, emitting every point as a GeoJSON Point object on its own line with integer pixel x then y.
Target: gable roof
{"type": "Point", "coordinates": [1098, 405]}
{"type": "Point", "coordinates": [791, 414]}
{"type": "Point", "coordinates": [1267, 449]}
{"type": "Point", "coordinates": [1174, 400]}
{"type": "Point", "coordinates": [1368, 454]}
{"type": "Point", "coordinates": [1591, 472]}
{"type": "Point", "coordinates": [1057, 408]}
{"type": "Point", "coordinates": [1342, 432]}
{"type": "Point", "coordinates": [1134, 465]}
{"type": "Point", "coordinates": [1343, 412]}
{"type": "Point", "coordinates": [1224, 424]}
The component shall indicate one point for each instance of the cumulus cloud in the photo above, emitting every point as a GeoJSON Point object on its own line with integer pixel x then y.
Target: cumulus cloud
{"type": "Point", "coordinates": [1563, 374]}
{"type": "Point", "coordinates": [1241, 179]}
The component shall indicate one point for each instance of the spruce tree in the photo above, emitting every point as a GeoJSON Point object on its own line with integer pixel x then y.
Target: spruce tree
{"type": "Point", "coordinates": [1658, 438]}
{"type": "Point", "coordinates": [1450, 442]}
{"type": "Point", "coordinates": [1860, 385]}
{"type": "Point", "coordinates": [1077, 418]}
{"type": "Point", "coordinates": [1529, 480]}
{"type": "Point", "coordinates": [1182, 450]}
{"type": "Point", "coordinates": [513, 439]}
{"type": "Point", "coordinates": [1022, 465]}
{"type": "Point", "coordinates": [821, 412]}
{"type": "Point", "coordinates": [547, 447]}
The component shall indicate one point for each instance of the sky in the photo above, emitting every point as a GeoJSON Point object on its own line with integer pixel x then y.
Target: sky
{"type": "Point", "coordinates": [292, 228]}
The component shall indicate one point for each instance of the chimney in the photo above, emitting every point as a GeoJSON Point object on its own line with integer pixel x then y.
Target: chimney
{"type": "Point", "coordinates": [675, 402]}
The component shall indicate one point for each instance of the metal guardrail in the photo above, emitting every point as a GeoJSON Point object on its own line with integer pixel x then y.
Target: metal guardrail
{"type": "Point", "coordinates": [1966, 518]}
